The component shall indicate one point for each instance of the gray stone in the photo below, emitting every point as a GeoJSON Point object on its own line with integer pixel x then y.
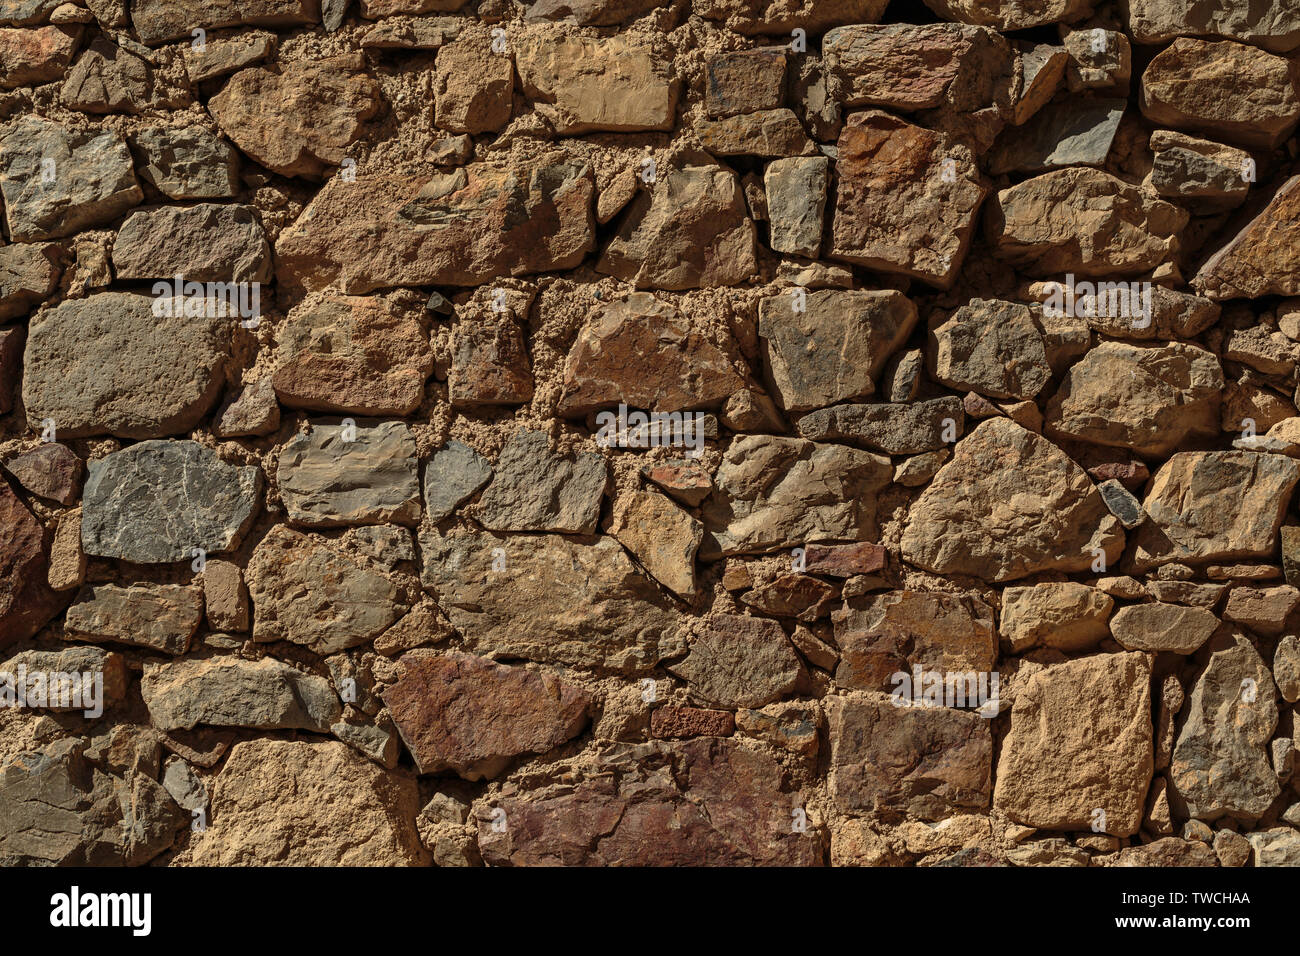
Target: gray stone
{"type": "Point", "coordinates": [796, 203]}
{"type": "Point", "coordinates": [108, 79]}
{"type": "Point", "coordinates": [233, 692]}
{"type": "Point", "coordinates": [537, 489]}
{"type": "Point", "coordinates": [1279, 846]}
{"type": "Point", "coordinates": [80, 659]}
{"type": "Point", "coordinates": [738, 661]}
{"type": "Point", "coordinates": [453, 474]}
{"type": "Point", "coordinates": [1121, 504]}
{"type": "Point", "coordinates": [184, 786]}
{"type": "Point", "coordinates": [1074, 132]}
{"type": "Point", "coordinates": [93, 179]}
{"type": "Point", "coordinates": [209, 242]}
{"type": "Point", "coordinates": [991, 347]}
{"type": "Point", "coordinates": [187, 163]}
{"type": "Point", "coordinates": [351, 473]}
{"type": "Point", "coordinates": [156, 501]}
{"type": "Point", "coordinates": [896, 429]}
{"type": "Point", "coordinates": [163, 617]}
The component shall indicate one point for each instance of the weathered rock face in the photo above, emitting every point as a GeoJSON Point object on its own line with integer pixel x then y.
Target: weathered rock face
{"type": "Point", "coordinates": [1163, 627]}
{"type": "Point", "coordinates": [1009, 504]}
{"type": "Point", "coordinates": [464, 713]}
{"type": "Point", "coordinates": [26, 601]}
{"type": "Point", "coordinates": [536, 489]}
{"type": "Point", "coordinates": [163, 617]}
{"type": "Point", "coordinates": [1253, 262]}
{"type": "Point", "coordinates": [1063, 615]}
{"type": "Point", "coordinates": [292, 803]}
{"type": "Point", "coordinates": [896, 429]}
{"type": "Point", "coordinates": [473, 85]}
{"type": "Point", "coordinates": [186, 163]}
{"type": "Point", "coordinates": [157, 21]}
{"type": "Point", "coordinates": [348, 474]}
{"type": "Point", "coordinates": [1080, 742]}
{"type": "Point", "coordinates": [35, 57]}
{"type": "Point", "coordinates": [738, 661]}
{"type": "Point", "coordinates": [204, 243]}
{"type": "Point", "coordinates": [157, 501]}
{"type": "Point", "coordinates": [661, 536]}
{"type": "Point", "coordinates": [1012, 14]}
{"type": "Point", "coordinates": [28, 275]}
{"type": "Point", "coordinates": [228, 692]}
{"type": "Point", "coordinates": [993, 348]}
{"type": "Point", "coordinates": [1274, 27]}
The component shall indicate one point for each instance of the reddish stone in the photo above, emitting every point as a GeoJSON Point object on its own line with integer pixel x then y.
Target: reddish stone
{"type": "Point", "coordinates": [844, 560]}
{"type": "Point", "coordinates": [673, 721]}
{"type": "Point", "coordinates": [26, 600]}
{"type": "Point", "coordinates": [11, 365]}
{"type": "Point", "coordinates": [51, 471]}
{"type": "Point", "coordinates": [685, 481]}
{"type": "Point", "coordinates": [794, 595]}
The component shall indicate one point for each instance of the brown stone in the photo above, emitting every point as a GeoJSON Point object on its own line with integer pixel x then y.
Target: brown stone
{"type": "Point", "coordinates": [51, 470]}
{"type": "Point", "coordinates": [793, 595]}
{"type": "Point", "coordinates": [26, 600]}
{"type": "Point", "coordinates": [1163, 627]}
{"type": "Point", "coordinates": [672, 721]}
{"type": "Point", "coordinates": [738, 661]}
{"type": "Point", "coordinates": [33, 57]}
{"type": "Point", "coordinates": [844, 560]}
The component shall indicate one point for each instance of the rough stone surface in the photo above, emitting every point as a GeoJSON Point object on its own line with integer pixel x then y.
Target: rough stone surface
{"type": "Point", "coordinates": [228, 692]}
{"type": "Point", "coordinates": [348, 474]}
{"type": "Point", "coordinates": [163, 617]}
{"type": "Point", "coordinates": [534, 488]}
{"type": "Point", "coordinates": [738, 661]}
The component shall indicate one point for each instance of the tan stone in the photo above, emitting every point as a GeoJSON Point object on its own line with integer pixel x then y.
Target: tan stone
{"type": "Point", "coordinates": [1066, 616]}
{"type": "Point", "coordinates": [1163, 627]}
{"type": "Point", "coordinates": [661, 536]}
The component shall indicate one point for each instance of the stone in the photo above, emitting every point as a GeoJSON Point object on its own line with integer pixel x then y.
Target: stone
{"type": "Point", "coordinates": [1254, 262]}
{"type": "Point", "coordinates": [224, 56]}
{"type": "Point", "coordinates": [11, 364]}
{"type": "Point", "coordinates": [56, 181]}
{"type": "Point", "coordinates": [455, 473]}
{"type": "Point", "coordinates": [903, 67]}
{"type": "Point", "coordinates": [683, 481]}
{"type": "Point", "coordinates": [895, 429]}
{"type": "Point", "coordinates": [459, 228]}
{"type": "Point", "coordinates": [671, 721]}
{"type": "Point", "coordinates": [1011, 14]}
{"type": "Point", "coordinates": [1231, 848]}
{"type": "Point", "coordinates": [299, 119]}
{"type": "Point", "coordinates": [58, 809]}
{"type": "Point", "coordinates": [353, 355]}
{"type": "Point", "coordinates": [108, 78]}
{"type": "Point", "coordinates": [834, 347]}
{"type": "Point", "coordinates": [29, 274]}
{"type": "Point", "coordinates": [230, 692]}
{"type": "Point", "coordinates": [536, 489]}
{"type": "Point", "coordinates": [295, 803]}
{"type": "Point", "coordinates": [797, 596]}
{"type": "Point", "coordinates": [906, 201]}
{"type": "Point", "coordinates": [1010, 504]}
{"type": "Point", "coordinates": [1063, 615]}
{"type": "Point", "coordinates": [91, 664]}
{"type": "Point", "coordinates": [305, 591]}
{"type": "Point", "coordinates": [599, 13]}
{"type": "Point", "coordinates": [162, 617]}
{"type": "Point", "coordinates": [1225, 89]}
{"type": "Point", "coordinates": [1080, 741]}
{"type": "Point", "coordinates": [489, 364]}
{"type": "Point", "coordinates": [1037, 74]}
{"type": "Point", "coordinates": [1121, 504]}
{"type": "Point", "coordinates": [67, 564]}
{"type": "Point", "coordinates": [51, 471]}
{"type": "Point", "coordinates": [1197, 169]}
{"type": "Point", "coordinates": [796, 204]}
{"type": "Point", "coordinates": [1286, 668]}
{"type": "Point", "coordinates": [690, 232]}
{"type": "Point", "coordinates": [887, 634]}
{"type": "Point", "coordinates": [991, 347]}
{"type": "Point", "coordinates": [209, 242]}
{"type": "Point", "coordinates": [1263, 610]}
{"type": "Point", "coordinates": [158, 21]}
{"type": "Point", "coordinates": [1279, 846]}
{"type": "Point", "coordinates": [772, 494]}
{"type": "Point", "coordinates": [552, 599]}
{"type": "Point", "coordinates": [844, 560]}
{"type": "Point", "coordinates": [1207, 507]}
{"type": "Point", "coordinates": [37, 56]}
{"type": "Point", "coordinates": [580, 84]}
{"type": "Point", "coordinates": [225, 598]}
{"type": "Point", "coordinates": [1166, 852]}
{"type": "Point", "coordinates": [1275, 28]}
{"type": "Point", "coordinates": [451, 151]}
{"type": "Point", "coordinates": [1163, 627]}
{"type": "Point", "coordinates": [1271, 353]}
{"type": "Point", "coordinates": [1148, 399]}
{"type": "Point", "coordinates": [155, 502]}
{"type": "Point", "coordinates": [745, 81]}
{"type": "Point", "coordinates": [1220, 764]}
{"type": "Point", "coordinates": [466, 714]}
{"type": "Point", "coordinates": [641, 352]}
{"type": "Point", "coordinates": [22, 13]}
{"type": "Point", "coordinates": [1083, 221]}
{"type": "Point", "coordinates": [1099, 60]}
{"type": "Point", "coordinates": [1077, 132]}
{"type": "Point", "coordinates": [473, 85]}
{"type": "Point", "coordinates": [929, 763]}
{"type": "Point", "coordinates": [767, 133]}
{"type": "Point", "coordinates": [184, 786]}
{"type": "Point", "coordinates": [252, 410]}
{"type": "Point", "coordinates": [26, 600]}
{"type": "Point", "coordinates": [738, 661]}
{"type": "Point", "coordinates": [108, 365]}
{"type": "Point", "coordinates": [661, 536]}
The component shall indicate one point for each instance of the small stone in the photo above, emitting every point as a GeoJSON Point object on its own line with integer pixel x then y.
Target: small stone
{"type": "Point", "coordinates": [768, 133]}
{"type": "Point", "coordinates": [1254, 262]}
{"type": "Point", "coordinates": [793, 595]}
{"type": "Point", "coordinates": [347, 474]}
{"type": "Point", "coordinates": [67, 560]}
{"type": "Point", "coordinates": [684, 481]}
{"type": "Point", "coordinates": [896, 429]}
{"type": "Point", "coordinates": [1263, 610]}
{"type": "Point", "coordinates": [29, 274]}
{"type": "Point", "coordinates": [796, 204]}
{"type": "Point", "coordinates": [209, 242]}
{"type": "Point", "coordinates": [817, 652]}
{"type": "Point", "coordinates": [844, 560]}
{"type": "Point", "coordinates": [1231, 848]}
{"type": "Point", "coordinates": [184, 786]}
{"type": "Point", "coordinates": [537, 489]}
{"type": "Point", "coordinates": [1072, 133]}
{"type": "Point", "coordinates": [51, 471]}
{"type": "Point", "coordinates": [108, 78]}
{"type": "Point", "coordinates": [163, 617]}
{"type": "Point", "coordinates": [253, 410]}
{"type": "Point", "coordinates": [919, 469]}
{"type": "Point", "coordinates": [158, 21]}
{"type": "Point", "coordinates": [991, 347]}
{"type": "Point", "coordinates": [1197, 169]}
{"type": "Point", "coordinates": [738, 661]}
{"type": "Point", "coordinates": [473, 85]}
{"type": "Point", "coordinates": [1286, 668]}
{"type": "Point", "coordinates": [745, 81]}
{"type": "Point", "coordinates": [1121, 504]}
{"type": "Point", "coordinates": [490, 364]}
{"type": "Point", "coordinates": [220, 57]}
{"type": "Point", "coordinates": [671, 722]}
{"type": "Point", "coordinates": [225, 598]}
{"type": "Point", "coordinates": [1163, 627]}
{"type": "Point", "coordinates": [35, 57]}
{"type": "Point", "coordinates": [454, 473]}
{"type": "Point", "coordinates": [1099, 60]}
{"type": "Point", "coordinates": [451, 151]}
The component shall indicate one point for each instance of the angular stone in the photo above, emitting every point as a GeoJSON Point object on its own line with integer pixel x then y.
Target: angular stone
{"type": "Point", "coordinates": [460, 228]}
{"type": "Point", "coordinates": [793, 595]}
{"type": "Point", "coordinates": [1072, 133]}
{"type": "Point", "coordinates": [1224, 89]}
{"type": "Point", "coordinates": [299, 119]}
{"type": "Point", "coordinates": [671, 721]}
{"type": "Point", "coordinates": [67, 559]}
{"type": "Point", "coordinates": [1220, 765]}
{"type": "Point", "coordinates": [1214, 506]}
{"type": "Point", "coordinates": [1080, 741]}
{"type": "Point", "coordinates": [489, 363]}
{"type": "Point", "coordinates": [1167, 852]}
{"type": "Point", "coordinates": [766, 133]}
{"type": "Point", "coordinates": [899, 66]}
{"type": "Point", "coordinates": [305, 591]}
{"type": "Point", "coordinates": [1275, 27]}
{"type": "Point", "coordinates": [886, 634]}
{"type": "Point", "coordinates": [453, 474]}
{"type": "Point", "coordinates": [466, 714]}
{"type": "Point", "coordinates": [108, 365]}
{"type": "Point", "coordinates": [158, 21]}
{"type": "Point", "coordinates": [991, 347]}
{"type": "Point", "coordinates": [219, 57]}
{"type": "Point", "coordinates": [473, 85]}
{"type": "Point", "coordinates": [225, 598]}
{"type": "Point", "coordinates": [690, 232]}
{"type": "Point", "coordinates": [1286, 668]}
{"type": "Point", "coordinates": [551, 598]}
{"type": "Point", "coordinates": [738, 661]}
{"type": "Point", "coordinates": [537, 489]}
{"type": "Point", "coordinates": [29, 274]}
{"type": "Point", "coordinates": [156, 501]}
{"type": "Point", "coordinates": [906, 201]}
{"type": "Point", "coordinates": [294, 803]}
{"type": "Point", "coordinates": [23, 13]}
{"type": "Point", "coordinates": [57, 181]}
{"type": "Point", "coordinates": [1012, 14]}
{"type": "Point", "coordinates": [661, 536]}
{"type": "Point", "coordinates": [1150, 400]}
{"type": "Point", "coordinates": [744, 81]}
{"type": "Point", "coordinates": [641, 352]}
{"type": "Point", "coordinates": [775, 493]}
{"type": "Point", "coordinates": [108, 78]}
{"type": "Point", "coordinates": [402, 33]}
{"type": "Point", "coordinates": [1082, 220]}
{"type": "Point", "coordinates": [1262, 610]}
{"type": "Point", "coordinates": [796, 203]}
{"type": "Point", "coordinates": [926, 762]}
{"type": "Point", "coordinates": [162, 617]}
{"type": "Point", "coordinates": [35, 57]}
{"type": "Point", "coordinates": [1062, 615]}
{"type": "Point", "coordinates": [1197, 169]}
{"type": "Point", "coordinates": [1009, 504]}
{"type": "Point", "coordinates": [352, 354]}
{"type": "Point", "coordinates": [1257, 260]}
{"type": "Point", "coordinates": [844, 560]}
{"type": "Point", "coordinates": [895, 429]}
{"type": "Point", "coordinates": [349, 474]}
{"type": "Point", "coordinates": [187, 163]}
{"type": "Point", "coordinates": [209, 242]}
{"type": "Point", "coordinates": [26, 601]}
{"type": "Point", "coordinates": [1163, 627]}
{"type": "Point", "coordinates": [1279, 846]}
{"type": "Point", "coordinates": [597, 13]}
{"type": "Point", "coordinates": [250, 411]}
{"type": "Point", "coordinates": [51, 471]}
{"type": "Point", "coordinates": [94, 662]}
{"type": "Point", "coordinates": [832, 349]}
{"type": "Point", "coordinates": [580, 84]}
{"type": "Point", "coordinates": [232, 692]}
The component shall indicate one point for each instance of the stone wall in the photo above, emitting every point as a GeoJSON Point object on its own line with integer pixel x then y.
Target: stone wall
{"type": "Point", "coordinates": [847, 432]}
